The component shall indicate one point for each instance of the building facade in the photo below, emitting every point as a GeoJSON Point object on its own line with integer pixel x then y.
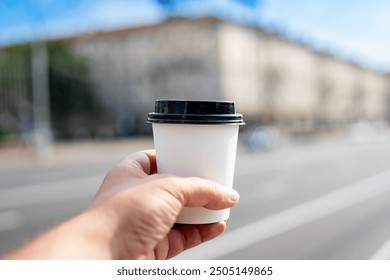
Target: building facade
{"type": "Point", "coordinates": [273, 80]}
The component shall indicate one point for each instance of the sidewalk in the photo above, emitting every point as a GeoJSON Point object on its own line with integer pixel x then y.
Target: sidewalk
{"type": "Point", "coordinates": [72, 152]}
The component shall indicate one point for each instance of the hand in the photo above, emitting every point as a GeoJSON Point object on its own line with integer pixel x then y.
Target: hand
{"type": "Point", "coordinates": [143, 207]}
{"type": "Point", "coordinates": [132, 217]}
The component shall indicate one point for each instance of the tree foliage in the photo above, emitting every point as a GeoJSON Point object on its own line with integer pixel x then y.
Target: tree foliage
{"type": "Point", "coordinates": [73, 106]}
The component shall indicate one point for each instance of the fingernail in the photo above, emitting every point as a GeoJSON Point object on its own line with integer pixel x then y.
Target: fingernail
{"type": "Point", "coordinates": [234, 195]}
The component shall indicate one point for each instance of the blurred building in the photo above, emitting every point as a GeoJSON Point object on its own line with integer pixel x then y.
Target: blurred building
{"type": "Point", "coordinates": [133, 67]}
{"type": "Point", "coordinates": [272, 79]}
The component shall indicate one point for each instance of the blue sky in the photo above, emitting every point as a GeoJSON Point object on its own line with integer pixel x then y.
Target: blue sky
{"type": "Point", "coordinates": [358, 30]}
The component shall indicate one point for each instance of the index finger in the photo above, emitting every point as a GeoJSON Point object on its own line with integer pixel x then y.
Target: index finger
{"type": "Point", "coordinates": [152, 165]}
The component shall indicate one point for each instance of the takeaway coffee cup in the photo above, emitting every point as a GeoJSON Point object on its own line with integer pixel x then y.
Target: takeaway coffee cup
{"type": "Point", "coordinates": [197, 138]}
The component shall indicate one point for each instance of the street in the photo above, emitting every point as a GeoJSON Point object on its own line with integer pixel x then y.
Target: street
{"type": "Point", "coordinates": [315, 200]}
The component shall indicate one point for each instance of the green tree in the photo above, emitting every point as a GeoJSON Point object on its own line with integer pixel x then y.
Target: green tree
{"type": "Point", "coordinates": [75, 111]}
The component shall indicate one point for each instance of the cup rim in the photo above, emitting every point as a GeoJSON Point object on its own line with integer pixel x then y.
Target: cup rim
{"type": "Point", "coordinates": [195, 112]}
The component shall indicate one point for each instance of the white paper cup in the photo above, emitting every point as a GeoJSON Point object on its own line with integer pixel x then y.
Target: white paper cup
{"type": "Point", "coordinates": [197, 138]}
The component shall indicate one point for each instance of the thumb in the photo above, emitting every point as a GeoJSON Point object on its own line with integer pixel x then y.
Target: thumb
{"type": "Point", "coordinates": [197, 192]}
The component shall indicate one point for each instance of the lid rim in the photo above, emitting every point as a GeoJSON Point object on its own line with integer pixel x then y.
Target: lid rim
{"type": "Point", "coordinates": [182, 111]}
{"type": "Point", "coordinates": [168, 121]}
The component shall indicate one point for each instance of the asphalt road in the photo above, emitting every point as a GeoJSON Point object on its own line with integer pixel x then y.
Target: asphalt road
{"type": "Point", "coordinates": [324, 200]}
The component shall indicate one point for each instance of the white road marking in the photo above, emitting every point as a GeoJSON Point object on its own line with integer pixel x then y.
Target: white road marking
{"type": "Point", "coordinates": [50, 192]}
{"type": "Point", "coordinates": [292, 218]}
{"type": "Point", "coordinates": [383, 253]}
{"type": "Point", "coordinates": [10, 220]}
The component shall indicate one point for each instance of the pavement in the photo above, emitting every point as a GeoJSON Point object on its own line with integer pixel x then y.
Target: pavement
{"type": "Point", "coordinates": [16, 155]}
{"type": "Point", "coordinates": [325, 199]}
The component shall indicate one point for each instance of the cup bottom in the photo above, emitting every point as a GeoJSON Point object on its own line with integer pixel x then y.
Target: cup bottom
{"type": "Point", "coordinates": [200, 215]}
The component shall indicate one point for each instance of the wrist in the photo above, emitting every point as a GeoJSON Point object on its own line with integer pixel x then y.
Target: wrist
{"type": "Point", "coordinates": [77, 238]}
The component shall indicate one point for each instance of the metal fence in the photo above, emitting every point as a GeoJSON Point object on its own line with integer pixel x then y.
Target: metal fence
{"type": "Point", "coordinates": [15, 91]}
{"type": "Point", "coordinates": [46, 87]}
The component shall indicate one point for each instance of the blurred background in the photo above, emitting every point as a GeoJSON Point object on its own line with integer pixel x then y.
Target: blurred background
{"type": "Point", "coordinates": [77, 79]}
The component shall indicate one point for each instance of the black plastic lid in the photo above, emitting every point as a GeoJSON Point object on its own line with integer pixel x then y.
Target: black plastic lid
{"type": "Point", "coordinates": [195, 112]}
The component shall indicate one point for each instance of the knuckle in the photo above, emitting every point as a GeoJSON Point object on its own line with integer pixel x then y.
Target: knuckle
{"type": "Point", "coordinates": [115, 170]}
{"type": "Point", "coordinates": [216, 189]}
{"type": "Point", "coordinates": [166, 175]}
{"type": "Point", "coordinates": [197, 181]}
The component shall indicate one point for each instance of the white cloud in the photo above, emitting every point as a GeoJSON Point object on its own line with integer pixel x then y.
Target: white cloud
{"type": "Point", "coordinates": [364, 38]}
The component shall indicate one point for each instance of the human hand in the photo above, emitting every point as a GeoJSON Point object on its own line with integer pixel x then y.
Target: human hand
{"type": "Point", "coordinates": [132, 217]}
{"type": "Point", "coordinates": [140, 208]}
